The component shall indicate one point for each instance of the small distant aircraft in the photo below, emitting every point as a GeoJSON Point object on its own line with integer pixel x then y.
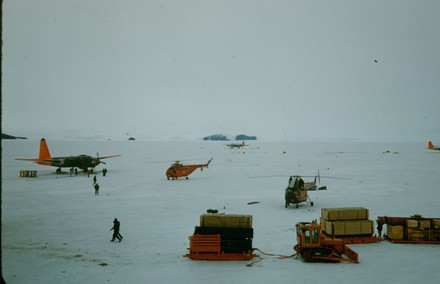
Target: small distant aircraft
{"type": "Point", "coordinates": [82, 162]}
{"type": "Point", "coordinates": [432, 146]}
{"type": "Point", "coordinates": [237, 145]}
{"type": "Point", "coordinates": [296, 191]}
{"type": "Point", "coordinates": [177, 170]}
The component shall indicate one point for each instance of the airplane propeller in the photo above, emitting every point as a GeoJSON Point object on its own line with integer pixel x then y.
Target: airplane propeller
{"type": "Point", "coordinates": [97, 161]}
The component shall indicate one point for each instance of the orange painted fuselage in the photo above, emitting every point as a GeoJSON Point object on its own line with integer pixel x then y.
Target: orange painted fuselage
{"type": "Point", "coordinates": [178, 170]}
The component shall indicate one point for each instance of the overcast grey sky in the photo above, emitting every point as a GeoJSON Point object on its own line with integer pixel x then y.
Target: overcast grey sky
{"type": "Point", "coordinates": [301, 70]}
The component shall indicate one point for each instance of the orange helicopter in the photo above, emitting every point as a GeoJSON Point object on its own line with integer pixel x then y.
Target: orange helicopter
{"type": "Point", "coordinates": [177, 170]}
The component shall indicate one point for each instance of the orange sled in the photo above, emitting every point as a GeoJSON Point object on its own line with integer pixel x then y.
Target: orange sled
{"type": "Point", "coordinates": [208, 247]}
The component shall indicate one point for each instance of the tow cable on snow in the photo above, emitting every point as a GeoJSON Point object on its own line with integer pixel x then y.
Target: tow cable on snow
{"type": "Point", "coordinates": [269, 254]}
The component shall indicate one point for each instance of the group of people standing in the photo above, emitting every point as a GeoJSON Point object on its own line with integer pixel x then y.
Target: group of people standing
{"type": "Point", "coordinates": [73, 170]}
{"type": "Point", "coordinates": [95, 182]}
{"type": "Point", "coordinates": [116, 223]}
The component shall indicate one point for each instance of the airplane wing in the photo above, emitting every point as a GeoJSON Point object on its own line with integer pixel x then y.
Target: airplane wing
{"type": "Point", "coordinates": [52, 160]}
{"type": "Point", "coordinates": [29, 160]}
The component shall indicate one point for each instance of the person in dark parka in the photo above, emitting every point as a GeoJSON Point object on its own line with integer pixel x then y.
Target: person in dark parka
{"type": "Point", "coordinates": [116, 234]}
{"type": "Point", "coordinates": [96, 186]}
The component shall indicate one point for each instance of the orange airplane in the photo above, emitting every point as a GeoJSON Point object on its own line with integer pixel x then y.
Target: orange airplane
{"type": "Point", "coordinates": [82, 161]}
{"type": "Point", "coordinates": [178, 170]}
{"type": "Point", "coordinates": [432, 146]}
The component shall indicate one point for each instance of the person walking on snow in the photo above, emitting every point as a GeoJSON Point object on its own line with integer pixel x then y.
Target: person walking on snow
{"type": "Point", "coordinates": [116, 234]}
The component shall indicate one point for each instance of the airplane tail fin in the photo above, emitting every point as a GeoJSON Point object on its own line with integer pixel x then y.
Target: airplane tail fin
{"type": "Point", "coordinates": [44, 151]}
{"type": "Point", "coordinates": [43, 155]}
{"type": "Point", "coordinates": [430, 145]}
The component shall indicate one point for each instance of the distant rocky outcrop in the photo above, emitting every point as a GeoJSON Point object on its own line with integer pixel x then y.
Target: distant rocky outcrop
{"type": "Point", "coordinates": [222, 137]}
{"type": "Point", "coordinates": [245, 137]}
{"type": "Point", "coordinates": [131, 139]}
{"type": "Point", "coordinates": [6, 136]}
{"type": "Point", "coordinates": [216, 137]}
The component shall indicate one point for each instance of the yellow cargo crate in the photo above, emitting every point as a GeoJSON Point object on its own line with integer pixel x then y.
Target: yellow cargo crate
{"type": "Point", "coordinates": [412, 223]}
{"type": "Point", "coordinates": [417, 234]}
{"type": "Point", "coordinates": [395, 232]}
{"type": "Point", "coordinates": [226, 220]}
{"type": "Point", "coordinates": [348, 213]}
{"type": "Point", "coordinates": [347, 228]}
{"type": "Point", "coordinates": [425, 224]}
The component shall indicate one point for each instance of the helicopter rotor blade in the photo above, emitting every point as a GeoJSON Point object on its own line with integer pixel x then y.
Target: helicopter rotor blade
{"type": "Point", "coordinates": [170, 161]}
{"type": "Point", "coordinates": [327, 177]}
{"type": "Point", "coordinates": [269, 176]}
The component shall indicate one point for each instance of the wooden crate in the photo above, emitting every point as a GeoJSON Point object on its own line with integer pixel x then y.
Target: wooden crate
{"type": "Point", "coordinates": [226, 220]}
{"type": "Point", "coordinates": [425, 224]}
{"type": "Point", "coordinates": [435, 235]}
{"type": "Point", "coordinates": [24, 173]}
{"type": "Point", "coordinates": [343, 214]}
{"type": "Point", "coordinates": [436, 223]}
{"type": "Point", "coordinates": [410, 223]}
{"type": "Point", "coordinates": [347, 228]}
{"type": "Point", "coordinates": [415, 234]}
{"type": "Point", "coordinates": [395, 232]}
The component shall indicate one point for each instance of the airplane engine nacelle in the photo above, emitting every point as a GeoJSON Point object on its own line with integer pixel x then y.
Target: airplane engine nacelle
{"type": "Point", "coordinates": [59, 162]}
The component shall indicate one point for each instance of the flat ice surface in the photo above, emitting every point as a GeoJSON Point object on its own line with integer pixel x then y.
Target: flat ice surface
{"type": "Point", "coordinates": [55, 230]}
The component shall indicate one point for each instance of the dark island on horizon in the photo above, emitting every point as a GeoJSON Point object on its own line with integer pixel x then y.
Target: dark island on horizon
{"type": "Point", "coordinates": [7, 136]}
{"type": "Point", "coordinates": [222, 137]}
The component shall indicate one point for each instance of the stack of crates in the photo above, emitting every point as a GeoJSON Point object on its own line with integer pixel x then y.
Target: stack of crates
{"type": "Point", "coordinates": [235, 231]}
{"type": "Point", "coordinates": [436, 230]}
{"type": "Point", "coordinates": [346, 222]}
{"type": "Point", "coordinates": [414, 229]}
{"type": "Point", "coordinates": [418, 230]}
{"type": "Point", "coordinates": [26, 173]}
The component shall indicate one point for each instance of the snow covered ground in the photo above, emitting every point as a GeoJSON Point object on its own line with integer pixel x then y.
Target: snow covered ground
{"type": "Point", "coordinates": [55, 230]}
